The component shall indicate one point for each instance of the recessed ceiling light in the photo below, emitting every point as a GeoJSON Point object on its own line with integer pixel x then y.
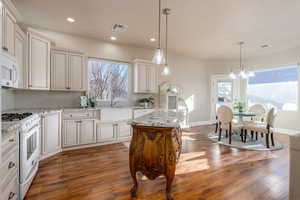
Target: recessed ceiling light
{"type": "Point", "coordinates": [152, 39]}
{"type": "Point", "coordinates": [71, 20]}
{"type": "Point", "coordinates": [113, 38]}
{"type": "Point", "coordinates": [264, 46]}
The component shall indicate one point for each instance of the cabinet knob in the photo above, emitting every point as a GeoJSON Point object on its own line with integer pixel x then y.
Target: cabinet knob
{"type": "Point", "coordinates": [11, 140]}
{"type": "Point", "coordinates": [11, 165]}
{"type": "Point", "coordinates": [5, 48]}
{"type": "Point", "coordinates": [11, 195]}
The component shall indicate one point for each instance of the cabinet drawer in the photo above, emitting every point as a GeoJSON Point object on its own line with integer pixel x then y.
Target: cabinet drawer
{"type": "Point", "coordinates": [10, 191]}
{"type": "Point", "coordinates": [80, 115]}
{"type": "Point", "coordinates": [9, 141]}
{"type": "Point", "coordinates": [9, 167]}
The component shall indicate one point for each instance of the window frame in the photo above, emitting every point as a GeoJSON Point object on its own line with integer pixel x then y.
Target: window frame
{"type": "Point", "coordinates": [111, 62]}
{"type": "Point", "coordinates": [278, 68]}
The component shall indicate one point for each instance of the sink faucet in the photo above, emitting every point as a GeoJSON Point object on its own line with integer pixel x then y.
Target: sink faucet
{"type": "Point", "coordinates": [112, 103]}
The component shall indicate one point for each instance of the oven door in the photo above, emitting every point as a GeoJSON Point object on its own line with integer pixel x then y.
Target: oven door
{"type": "Point", "coordinates": [29, 152]}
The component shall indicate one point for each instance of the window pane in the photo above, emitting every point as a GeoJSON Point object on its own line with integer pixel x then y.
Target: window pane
{"type": "Point", "coordinates": [274, 88]}
{"type": "Point", "coordinates": [108, 80]}
{"type": "Point", "coordinates": [224, 91]}
{"type": "Point", "coordinates": [119, 81]}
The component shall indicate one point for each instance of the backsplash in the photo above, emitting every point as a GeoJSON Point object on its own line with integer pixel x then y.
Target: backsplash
{"type": "Point", "coordinates": [31, 99]}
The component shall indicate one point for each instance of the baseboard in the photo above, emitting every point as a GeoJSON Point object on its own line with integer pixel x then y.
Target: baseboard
{"type": "Point", "coordinates": [201, 123]}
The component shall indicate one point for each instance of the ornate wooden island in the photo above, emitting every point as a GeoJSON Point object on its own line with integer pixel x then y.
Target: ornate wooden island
{"type": "Point", "coordinates": [155, 147]}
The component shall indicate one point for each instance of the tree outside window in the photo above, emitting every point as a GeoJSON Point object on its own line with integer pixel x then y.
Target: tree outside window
{"type": "Point", "coordinates": [108, 81]}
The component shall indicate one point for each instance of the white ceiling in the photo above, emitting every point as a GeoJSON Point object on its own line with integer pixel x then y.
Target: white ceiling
{"type": "Point", "coordinates": [207, 29]}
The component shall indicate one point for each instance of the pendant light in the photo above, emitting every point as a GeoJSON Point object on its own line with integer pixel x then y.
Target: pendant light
{"type": "Point", "coordinates": [243, 73]}
{"type": "Point", "coordinates": [158, 57]}
{"type": "Point", "coordinates": [166, 70]}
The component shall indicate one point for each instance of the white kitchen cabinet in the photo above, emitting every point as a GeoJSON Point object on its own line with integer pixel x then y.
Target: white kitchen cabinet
{"type": "Point", "coordinates": [8, 32]}
{"type": "Point", "coordinates": [77, 72]}
{"type": "Point", "coordinates": [51, 134]}
{"type": "Point", "coordinates": [124, 131]}
{"type": "Point", "coordinates": [59, 70]}
{"type": "Point", "coordinates": [106, 132]}
{"type": "Point", "coordinates": [87, 134]}
{"type": "Point", "coordinates": [20, 53]}
{"type": "Point", "coordinates": [68, 70]}
{"type": "Point", "coordinates": [145, 77]}
{"type": "Point", "coordinates": [38, 61]}
{"type": "Point", "coordinates": [70, 133]}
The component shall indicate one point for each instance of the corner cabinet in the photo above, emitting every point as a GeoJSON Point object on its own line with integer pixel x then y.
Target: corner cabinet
{"type": "Point", "coordinates": [51, 134]}
{"type": "Point", "coordinates": [8, 33]}
{"type": "Point", "coordinates": [38, 62]}
{"type": "Point", "coordinates": [68, 70]}
{"type": "Point", "coordinates": [20, 53]}
{"type": "Point", "coordinates": [145, 77]}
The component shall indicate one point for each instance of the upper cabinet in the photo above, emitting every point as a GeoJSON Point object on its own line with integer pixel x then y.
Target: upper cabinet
{"type": "Point", "coordinates": [68, 70]}
{"type": "Point", "coordinates": [8, 31]}
{"type": "Point", "coordinates": [20, 53]}
{"type": "Point", "coordinates": [38, 62]}
{"type": "Point", "coordinates": [145, 77]}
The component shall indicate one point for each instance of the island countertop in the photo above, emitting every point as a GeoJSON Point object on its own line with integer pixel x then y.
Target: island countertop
{"type": "Point", "coordinates": [160, 118]}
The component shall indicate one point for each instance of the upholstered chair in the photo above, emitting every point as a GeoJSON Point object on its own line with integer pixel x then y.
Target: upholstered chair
{"type": "Point", "coordinates": [260, 112]}
{"type": "Point", "coordinates": [265, 128]}
{"type": "Point", "coordinates": [225, 119]}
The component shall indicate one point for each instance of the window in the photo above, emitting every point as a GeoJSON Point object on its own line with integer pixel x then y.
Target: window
{"type": "Point", "coordinates": [108, 80]}
{"type": "Point", "coordinates": [224, 91]}
{"type": "Point", "coordinates": [274, 88]}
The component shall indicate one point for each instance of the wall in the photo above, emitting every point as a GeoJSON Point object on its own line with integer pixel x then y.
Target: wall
{"type": "Point", "coordinates": [285, 119]}
{"type": "Point", "coordinates": [8, 99]}
{"type": "Point", "coordinates": [190, 73]}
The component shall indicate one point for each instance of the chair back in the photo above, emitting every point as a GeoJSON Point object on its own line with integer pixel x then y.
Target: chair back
{"type": "Point", "coordinates": [259, 110]}
{"type": "Point", "coordinates": [225, 116]}
{"type": "Point", "coordinates": [271, 117]}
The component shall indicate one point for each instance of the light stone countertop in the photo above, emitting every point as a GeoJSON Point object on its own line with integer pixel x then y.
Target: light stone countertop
{"type": "Point", "coordinates": [160, 118]}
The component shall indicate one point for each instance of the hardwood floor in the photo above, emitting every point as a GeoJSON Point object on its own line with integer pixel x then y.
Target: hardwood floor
{"type": "Point", "coordinates": [206, 170]}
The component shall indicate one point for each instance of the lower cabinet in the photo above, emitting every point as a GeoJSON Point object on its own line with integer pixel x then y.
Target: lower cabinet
{"type": "Point", "coordinates": [124, 131]}
{"type": "Point", "coordinates": [51, 134]}
{"type": "Point", "coordinates": [106, 132]}
{"type": "Point", "coordinates": [113, 131]}
{"type": "Point", "coordinates": [78, 132]}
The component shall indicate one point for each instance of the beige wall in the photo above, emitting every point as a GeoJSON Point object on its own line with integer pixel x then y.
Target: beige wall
{"type": "Point", "coordinates": [190, 73]}
{"type": "Point", "coordinates": [285, 119]}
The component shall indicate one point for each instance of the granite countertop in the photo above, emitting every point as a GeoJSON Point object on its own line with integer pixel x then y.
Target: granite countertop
{"type": "Point", "coordinates": [160, 118]}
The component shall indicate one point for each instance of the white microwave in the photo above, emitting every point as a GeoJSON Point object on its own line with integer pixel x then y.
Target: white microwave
{"type": "Point", "coordinates": [9, 71]}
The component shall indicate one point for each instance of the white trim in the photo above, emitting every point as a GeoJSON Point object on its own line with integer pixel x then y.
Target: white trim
{"type": "Point", "coordinates": [201, 123]}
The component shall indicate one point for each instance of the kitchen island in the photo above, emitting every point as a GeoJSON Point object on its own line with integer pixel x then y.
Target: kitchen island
{"type": "Point", "coordinates": [155, 147]}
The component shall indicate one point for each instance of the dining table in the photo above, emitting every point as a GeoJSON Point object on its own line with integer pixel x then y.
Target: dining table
{"type": "Point", "coordinates": [241, 115]}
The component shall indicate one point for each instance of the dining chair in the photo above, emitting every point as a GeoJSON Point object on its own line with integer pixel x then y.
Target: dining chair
{"type": "Point", "coordinates": [225, 119]}
{"type": "Point", "coordinates": [260, 112]}
{"type": "Point", "coordinates": [265, 128]}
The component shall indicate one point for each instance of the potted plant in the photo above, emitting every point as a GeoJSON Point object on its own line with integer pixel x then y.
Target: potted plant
{"type": "Point", "coordinates": [239, 106]}
{"type": "Point", "coordinates": [146, 102]}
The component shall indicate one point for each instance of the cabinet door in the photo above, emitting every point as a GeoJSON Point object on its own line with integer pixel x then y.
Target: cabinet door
{"type": "Point", "coordinates": [9, 31]}
{"type": "Point", "coordinates": [77, 72]}
{"type": "Point", "coordinates": [59, 70]}
{"type": "Point", "coordinates": [124, 131]}
{"type": "Point", "coordinates": [106, 132]}
{"type": "Point", "coordinates": [70, 133]}
{"type": "Point", "coordinates": [20, 42]}
{"type": "Point", "coordinates": [39, 62]}
{"type": "Point", "coordinates": [87, 132]}
{"type": "Point", "coordinates": [141, 78]}
{"type": "Point", "coordinates": [152, 79]}
{"type": "Point", "coordinates": [51, 134]}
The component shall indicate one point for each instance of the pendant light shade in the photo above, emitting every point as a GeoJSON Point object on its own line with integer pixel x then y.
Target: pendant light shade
{"type": "Point", "coordinates": [166, 71]}
{"type": "Point", "coordinates": [158, 57]}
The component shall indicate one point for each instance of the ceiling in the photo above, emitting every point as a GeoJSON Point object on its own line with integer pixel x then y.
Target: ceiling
{"type": "Point", "coordinates": [206, 29]}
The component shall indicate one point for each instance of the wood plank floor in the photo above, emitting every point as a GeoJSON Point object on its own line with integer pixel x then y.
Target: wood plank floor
{"type": "Point", "coordinates": [206, 171]}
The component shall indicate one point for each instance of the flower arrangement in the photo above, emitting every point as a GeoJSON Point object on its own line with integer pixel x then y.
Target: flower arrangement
{"type": "Point", "coordinates": [239, 105]}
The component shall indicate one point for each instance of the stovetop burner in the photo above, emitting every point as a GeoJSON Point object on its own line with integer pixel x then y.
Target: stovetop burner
{"type": "Point", "coordinates": [14, 116]}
